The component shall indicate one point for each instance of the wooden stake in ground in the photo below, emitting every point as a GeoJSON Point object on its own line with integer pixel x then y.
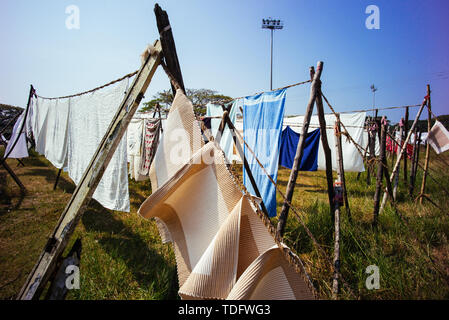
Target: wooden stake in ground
{"type": "Point", "coordinates": [411, 185]}
{"type": "Point", "coordinates": [396, 166]}
{"type": "Point", "coordinates": [426, 162]}
{"type": "Point", "coordinates": [299, 150]}
{"type": "Point", "coordinates": [340, 165]}
{"type": "Point", "coordinates": [418, 150]}
{"type": "Point", "coordinates": [339, 194]}
{"type": "Point", "coordinates": [380, 170]}
{"type": "Point", "coordinates": [326, 149]}
{"type": "Point", "coordinates": [82, 195]}
{"type": "Point", "coordinates": [401, 151]}
{"type": "Point", "coordinates": [406, 155]}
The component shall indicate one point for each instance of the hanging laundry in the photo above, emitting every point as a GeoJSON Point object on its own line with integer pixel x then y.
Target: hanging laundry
{"type": "Point", "coordinates": [227, 141]}
{"type": "Point", "coordinates": [152, 131]}
{"type": "Point", "coordinates": [392, 147]}
{"type": "Point", "coordinates": [354, 123]}
{"type": "Point", "coordinates": [438, 138]}
{"type": "Point", "coordinates": [89, 118]}
{"type": "Point", "coordinates": [20, 149]}
{"type": "Point", "coordinates": [289, 144]}
{"type": "Point", "coordinates": [51, 137]}
{"type": "Point", "coordinates": [262, 126]}
{"type": "Point", "coordinates": [222, 247]}
{"type": "Point", "coordinates": [134, 135]}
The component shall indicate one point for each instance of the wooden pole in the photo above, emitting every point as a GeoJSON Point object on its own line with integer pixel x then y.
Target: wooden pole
{"type": "Point", "coordinates": [406, 154]}
{"type": "Point", "coordinates": [14, 177]}
{"type": "Point", "coordinates": [340, 174]}
{"type": "Point", "coordinates": [326, 148]}
{"type": "Point", "coordinates": [415, 171]}
{"type": "Point", "coordinates": [401, 151]}
{"type": "Point", "coordinates": [380, 170]}
{"type": "Point", "coordinates": [227, 120]}
{"type": "Point", "coordinates": [370, 155]}
{"type": "Point", "coordinates": [396, 166]}
{"type": "Point", "coordinates": [57, 179]}
{"type": "Point", "coordinates": [82, 195]}
{"type": "Point", "coordinates": [427, 160]}
{"type": "Point", "coordinates": [340, 164]}
{"type": "Point", "coordinates": [299, 151]}
{"type": "Point", "coordinates": [411, 185]}
{"type": "Point", "coordinates": [170, 55]}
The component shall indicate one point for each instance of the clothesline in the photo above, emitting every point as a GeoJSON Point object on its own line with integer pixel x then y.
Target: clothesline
{"type": "Point", "coordinates": [371, 109]}
{"type": "Point", "coordinates": [129, 75]}
{"type": "Point", "coordinates": [286, 87]}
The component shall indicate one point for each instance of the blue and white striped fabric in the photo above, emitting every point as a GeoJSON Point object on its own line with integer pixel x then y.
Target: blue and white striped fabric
{"type": "Point", "coordinates": [262, 126]}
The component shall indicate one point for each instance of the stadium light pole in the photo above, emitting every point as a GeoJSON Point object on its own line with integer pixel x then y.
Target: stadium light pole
{"type": "Point", "coordinates": [272, 24]}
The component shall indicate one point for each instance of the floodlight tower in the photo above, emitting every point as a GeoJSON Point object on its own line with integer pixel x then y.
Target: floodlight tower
{"type": "Point", "coordinates": [272, 24]}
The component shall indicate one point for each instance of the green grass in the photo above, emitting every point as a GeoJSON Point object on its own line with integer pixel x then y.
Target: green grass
{"type": "Point", "coordinates": [123, 258]}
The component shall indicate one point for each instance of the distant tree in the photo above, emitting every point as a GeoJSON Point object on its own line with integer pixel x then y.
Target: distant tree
{"type": "Point", "coordinates": [199, 97]}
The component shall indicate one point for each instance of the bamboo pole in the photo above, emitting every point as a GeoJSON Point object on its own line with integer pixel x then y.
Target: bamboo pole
{"type": "Point", "coordinates": [299, 151]}
{"type": "Point", "coordinates": [396, 166]}
{"type": "Point", "coordinates": [380, 170]}
{"type": "Point", "coordinates": [426, 162]}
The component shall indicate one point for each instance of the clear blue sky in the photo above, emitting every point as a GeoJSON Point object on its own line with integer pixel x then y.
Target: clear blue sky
{"type": "Point", "coordinates": [221, 46]}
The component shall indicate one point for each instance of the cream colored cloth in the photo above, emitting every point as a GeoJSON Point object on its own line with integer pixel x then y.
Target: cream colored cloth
{"type": "Point", "coordinates": [222, 246]}
{"type": "Point", "coordinates": [438, 138]}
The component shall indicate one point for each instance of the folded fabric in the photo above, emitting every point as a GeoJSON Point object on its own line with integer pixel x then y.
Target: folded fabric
{"type": "Point", "coordinates": [181, 139]}
{"type": "Point", "coordinates": [438, 138]}
{"type": "Point", "coordinates": [289, 144]}
{"type": "Point", "coordinates": [262, 126]}
{"type": "Point", "coordinates": [89, 118]}
{"type": "Point", "coordinates": [152, 129]}
{"type": "Point", "coordinates": [354, 123]}
{"type": "Point", "coordinates": [217, 235]}
{"type": "Point", "coordinates": [20, 148]}
{"type": "Point", "coordinates": [220, 239]}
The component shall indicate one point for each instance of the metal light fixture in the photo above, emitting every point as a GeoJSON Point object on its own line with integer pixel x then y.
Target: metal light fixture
{"type": "Point", "coordinates": [272, 24]}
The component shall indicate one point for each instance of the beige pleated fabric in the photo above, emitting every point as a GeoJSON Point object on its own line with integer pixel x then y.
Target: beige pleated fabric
{"type": "Point", "coordinates": [222, 246]}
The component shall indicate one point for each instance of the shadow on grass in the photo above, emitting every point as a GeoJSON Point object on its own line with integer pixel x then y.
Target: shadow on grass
{"type": "Point", "coordinates": [148, 267]}
{"type": "Point", "coordinates": [50, 176]}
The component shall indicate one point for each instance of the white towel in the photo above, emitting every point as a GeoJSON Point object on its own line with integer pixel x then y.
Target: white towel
{"type": "Point", "coordinates": [52, 134]}
{"type": "Point", "coordinates": [20, 150]}
{"type": "Point", "coordinates": [89, 118]}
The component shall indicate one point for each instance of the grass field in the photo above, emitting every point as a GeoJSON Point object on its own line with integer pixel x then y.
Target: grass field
{"type": "Point", "coordinates": [123, 257]}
